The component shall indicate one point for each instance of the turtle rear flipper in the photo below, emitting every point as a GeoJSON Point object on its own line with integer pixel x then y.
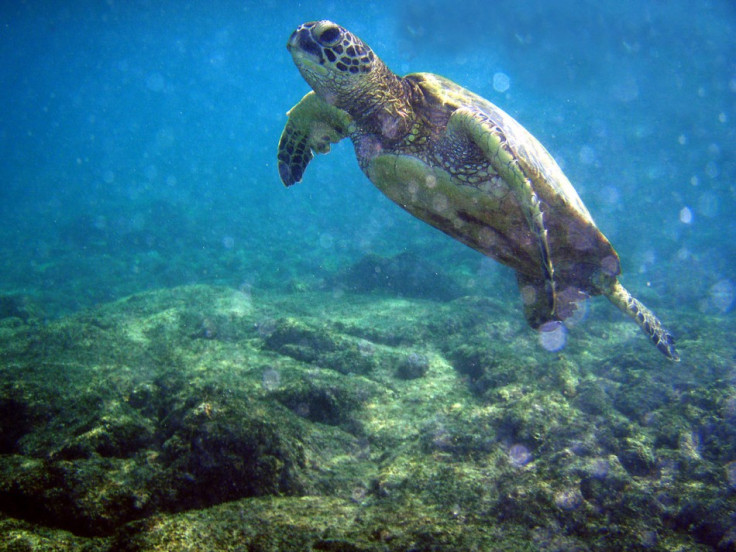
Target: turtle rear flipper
{"type": "Point", "coordinates": [535, 301]}
{"type": "Point", "coordinates": [536, 306]}
{"type": "Point", "coordinates": [662, 339]}
{"type": "Point", "coordinates": [312, 126]}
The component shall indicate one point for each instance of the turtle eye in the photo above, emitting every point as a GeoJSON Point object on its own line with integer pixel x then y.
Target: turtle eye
{"type": "Point", "coordinates": [329, 36]}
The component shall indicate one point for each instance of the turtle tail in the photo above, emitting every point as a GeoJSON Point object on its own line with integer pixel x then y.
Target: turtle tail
{"type": "Point", "coordinates": [646, 319]}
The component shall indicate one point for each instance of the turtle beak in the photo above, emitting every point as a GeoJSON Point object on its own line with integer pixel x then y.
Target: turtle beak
{"type": "Point", "coordinates": [292, 41]}
{"type": "Point", "coordinates": [306, 53]}
{"type": "Point", "coordinates": [301, 44]}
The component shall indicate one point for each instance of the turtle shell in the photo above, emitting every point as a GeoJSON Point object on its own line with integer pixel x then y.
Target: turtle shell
{"type": "Point", "coordinates": [447, 181]}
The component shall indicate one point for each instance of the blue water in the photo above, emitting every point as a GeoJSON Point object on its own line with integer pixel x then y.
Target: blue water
{"type": "Point", "coordinates": [138, 146]}
{"type": "Point", "coordinates": [138, 141]}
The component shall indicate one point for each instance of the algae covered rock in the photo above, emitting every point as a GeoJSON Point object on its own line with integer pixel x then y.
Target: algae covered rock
{"type": "Point", "coordinates": [414, 366]}
{"type": "Point", "coordinates": [224, 450]}
{"type": "Point", "coordinates": [99, 432]}
{"type": "Point", "coordinates": [319, 345]}
{"type": "Point", "coordinates": [484, 369]}
{"type": "Point", "coordinates": [299, 340]}
{"type": "Point", "coordinates": [208, 418]}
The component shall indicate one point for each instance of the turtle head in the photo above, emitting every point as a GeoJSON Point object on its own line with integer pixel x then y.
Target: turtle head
{"type": "Point", "coordinates": [333, 61]}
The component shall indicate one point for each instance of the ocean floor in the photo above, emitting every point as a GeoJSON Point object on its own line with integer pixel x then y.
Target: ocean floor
{"type": "Point", "coordinates": [212, 418]}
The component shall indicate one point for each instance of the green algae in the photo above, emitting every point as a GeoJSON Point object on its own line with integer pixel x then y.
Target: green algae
{"type": "Point", "coordinates": [211, 418]}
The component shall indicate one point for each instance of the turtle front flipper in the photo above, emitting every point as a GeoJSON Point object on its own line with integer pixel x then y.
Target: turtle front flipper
{"type": "Point", "coordinates": [492, 141]}
{"type": "Point", "coordinates": [312, 126]}
{"type": "Point", "coordinates": [662, 339]}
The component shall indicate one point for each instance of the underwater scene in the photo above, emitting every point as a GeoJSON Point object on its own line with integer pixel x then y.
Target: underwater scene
{"type": "Point", "coordinates": [437, 337]}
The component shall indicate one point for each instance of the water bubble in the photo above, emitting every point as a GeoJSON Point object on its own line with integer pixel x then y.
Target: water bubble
{"type": "Point", "coordinates": [271, 379]}
{"type": "Point", "coordinates": [413, 188]}
{"type": "Point", "coordinates": [358, 494]}
{"type": "Point", "coordinates": [208, 329]}
{"type": "Point", "coordinates": [302, 410]}
{"type": "Point", "coordinates": [626, 89]}
{"type": "Point", "coordinates": [439, 204]}
{"type": "Point", "coordinates": [731, 473]}
{"type": "Point", "coordinates": [648, 418]}
{"type": "Point", "coordinates": [265, 327]}
{"type": "Point", "coordinates": [610, 265]}
{"type": "Point", "coordinates": [501, 82]}
{"type": "Point", "coordinates": [368, 148]}
{"type": "Point", "coordinates": [326, 241]}
{"type": "Point", "coordinates": [442, 439]}
{"type": "Point", "coordinates": [655, 172]}
{"type": "Point", "coordinates": [568, 499]}
{"type": "Point", "coordinates": [553, 336]}
{"type": "Point", "coordinates": [528, 295]}
{"type": "Point", "coordinates": [108, 177]}
{"type": "Point", "coordinates": [246, 290]}
{"type": "Point", "coordinates": [136, 223]}
{"type": "Point", "coordinates": [708, 204]}
{"type": "Point", "coordinates": [599, 468]}
{"type": "Point", "coordinates": [648, 539]}
{"type": "Point", "coordinates": [165, 138]}
{"type": "Point", "coordinates": [578, 311]}
{"type": "Point", "coordinates": [389, 125]}
{"type": "Point", "coordinates": [729, 409]}
{"type": "Point", "coordinates": [586, 155]}
{"type": "Point", "coordinates": [722, 295]}
{"type": "Point", "coordinates": [100, 222]}
{"type": "Point", "coordinates": [151, 172]}
{"type": "Point", "coordinates": [366, 348]}
{"type": "Point", "coordinates": [711, 169]}
{"type": "Point", "coordinates": [519, 455]}
{"type": "Point", "coordinates": [217, 59]}
{"type": "Point", "coordinates": [228, 242]}
{"type": "Point", "coordinates": [610, 195]}
{"type": "Point", "coordinates": [155, 82]}
{"type": "Point", "coordinates": [686, 215]}
{"type": "Point", "coordinates": [361, 449]}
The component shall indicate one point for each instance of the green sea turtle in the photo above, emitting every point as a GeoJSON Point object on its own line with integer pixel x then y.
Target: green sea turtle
{"type": "Point", "coordinates": [461, 164]}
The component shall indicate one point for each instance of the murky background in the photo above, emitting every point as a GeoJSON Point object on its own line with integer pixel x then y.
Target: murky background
{"type": "Point", "coordinates": [138, 141]}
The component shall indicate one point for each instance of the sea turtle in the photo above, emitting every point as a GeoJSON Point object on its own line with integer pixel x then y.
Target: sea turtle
{"type": "Point", "coordinates": [461, 164]}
